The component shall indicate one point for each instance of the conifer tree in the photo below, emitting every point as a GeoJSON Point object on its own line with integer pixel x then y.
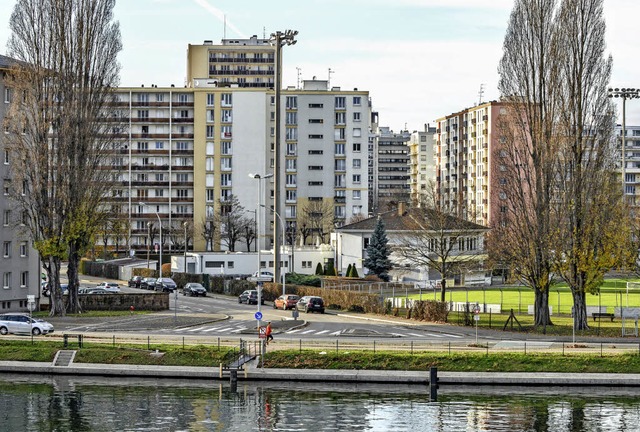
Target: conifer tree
{"type": "Point", "coordinates": [378, 253]}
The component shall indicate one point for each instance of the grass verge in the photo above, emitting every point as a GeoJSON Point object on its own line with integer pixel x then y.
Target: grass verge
{"type": "Point", "coordinates": [455, 362]}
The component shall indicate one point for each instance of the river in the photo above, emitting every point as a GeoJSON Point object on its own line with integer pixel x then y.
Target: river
{"type": "Point", "coordinates": [37, 403]}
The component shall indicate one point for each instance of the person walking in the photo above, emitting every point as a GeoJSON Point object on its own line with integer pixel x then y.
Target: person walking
{"type": "Point", "coordinates": [268, 332]}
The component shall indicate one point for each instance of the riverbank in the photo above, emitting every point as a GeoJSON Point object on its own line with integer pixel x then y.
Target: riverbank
{"type": "Point", "coordinates": [254, 373]}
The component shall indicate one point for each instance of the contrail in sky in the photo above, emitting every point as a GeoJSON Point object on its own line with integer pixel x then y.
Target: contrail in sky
{"type": "Point", "coordinates": [220, 15]}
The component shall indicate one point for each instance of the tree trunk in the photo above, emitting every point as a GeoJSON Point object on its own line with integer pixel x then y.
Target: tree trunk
{"type": "Point", "coordinates": [580, 318]}
{"type": "Point", "coordinates": [56, 300]}
{"type": "Point", "coordinates": [72, 274]}
{"type": "Point", "coordinates": [541, 309]}
{"type": "Point", "coordinates": [443, 290]}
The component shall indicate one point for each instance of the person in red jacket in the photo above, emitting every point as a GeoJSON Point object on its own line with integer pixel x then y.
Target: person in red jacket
{"type": "Point", "coordinates": [268, 332]}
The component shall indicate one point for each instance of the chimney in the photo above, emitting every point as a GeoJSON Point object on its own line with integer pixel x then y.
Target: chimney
{"type": "Point", "coordinates": [400, 208]}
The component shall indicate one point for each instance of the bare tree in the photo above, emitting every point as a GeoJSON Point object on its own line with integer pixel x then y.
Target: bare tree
{"type": "Point", "coordinates": [59, 140]}
{"type": "Point", "coordinates": [249, 232]}
{"type": "Point", "coordinates": [528, 81]}
{"type": "Point", "coordinates": [434, 237]}
{"type": "Point", "coordinates": [208, 232]}
{"type": "Point", "coordinates": [594, 234]}
{"type": "Point", "coordinates": [232, 222]}
{"type": "Point", "coordinates": [318, 217]}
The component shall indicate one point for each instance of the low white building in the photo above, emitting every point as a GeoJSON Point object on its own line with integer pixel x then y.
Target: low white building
{"type": "Point", "coordinates": [303, 260]}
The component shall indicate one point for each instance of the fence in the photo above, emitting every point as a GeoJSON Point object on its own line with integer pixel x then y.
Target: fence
{"type": "Point", "coordinates": [369, 345]}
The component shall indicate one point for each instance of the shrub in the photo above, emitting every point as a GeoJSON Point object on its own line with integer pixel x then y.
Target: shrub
{"type": "Point", "coordinates": [356, 308]}
{"type": "Point", "coordinates": [348, 273]}
{"type": "Point", "coordinates": [166, 269]}
{"type": "Point", "coordinates": [319, 270]}
{"type": "Point", "coordinates": [354, 272]}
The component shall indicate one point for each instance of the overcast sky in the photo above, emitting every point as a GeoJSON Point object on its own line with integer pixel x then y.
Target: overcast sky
{"type": "Point", "coordinates": [419, 59]}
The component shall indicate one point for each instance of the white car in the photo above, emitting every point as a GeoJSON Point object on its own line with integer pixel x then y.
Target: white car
{"type": "Point", "coordinates": [264, 274]}
{"type": "Point", "coordinates": [21, 324]}
{"type": "Point", "coordinates": [112, 287]}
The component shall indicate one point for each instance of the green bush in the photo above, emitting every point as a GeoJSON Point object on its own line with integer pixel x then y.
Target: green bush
{"type": "Point", "coordinates": [348, 273]}
{"type": "Point", "coordinates": [354, 272]}
{"type": "Point", "coordinates": [319, 270]}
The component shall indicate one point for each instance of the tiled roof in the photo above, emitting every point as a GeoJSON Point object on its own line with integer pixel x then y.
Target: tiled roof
{"type": "Point", "coordinates": [6, 62]}
{"type": "Point", "coordinates": [411, 220]}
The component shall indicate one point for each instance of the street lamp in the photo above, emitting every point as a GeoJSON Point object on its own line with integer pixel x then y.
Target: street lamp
{"type": "Point", "coordinates": [186, 224]}
{"type": "Point", "coordinates": [148, 241]}
{"type": "Point", "coordinates": [279, 39]}
{"type": "Point", "coordinates": [624, 93]}
{"type": "Point", "coordinates": [159, 223]}
{"type": "Point", "coordinates": [259, 178]}
{"type": "Point", "coordinates": [284, 279]}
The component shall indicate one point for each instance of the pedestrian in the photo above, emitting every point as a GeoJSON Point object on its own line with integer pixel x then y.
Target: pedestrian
{"type": "Point", "coordinates": [268, 332]}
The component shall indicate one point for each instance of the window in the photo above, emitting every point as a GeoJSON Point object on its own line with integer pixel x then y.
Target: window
{"type": "Point", "coordinates": [226, 148]}
{"type": "Point", "coordinates": [291, 164]}
{"type": "Point", "coordinates": [341, 102]}
{"type": "Point", "coordinates": [143, 114]}
{"type": "Point", "coordinates": [184, 114]}
{"type": "Point", "coordinates": [225, 116]}
{"type": "Point", "coordinates": [341, 118]}
{"type": "Point", "coordinates": [210, 131]}
{"type": "Point", "coordinates": [225, 179]}
{"type": "Point", "coordinates": [291, 179]}
{"type": "Point", "coordinates": [24, 279]}
{"type": "Point", "coordinates": [315, 183]}
{"type": "Point", "coordinates": [211, 99]}
{"type": "Point", "coordinates": [340, 180]}
{"type": "Point", "coordinates": [339, 134]}
{"type": "Point", "coordinates": [211, 116]}
{"type": "Point", "coordinates": [339, 149]}
{"type": "Point", "coordinates": [290, 212]}
{"type": "Point", "coordinates": [356, 116]}
{"type": "Point", "coordinates": [143, 146]}
{"type": "Point", "coordinates": [356, 178]}
{"type": "Point", "coordinates": [226, 99]}
{"type": "Point", "coordinates": [6, 217]}
{"type": "Point", "coordinates": [24, 249]}
{"type": "Point", "coordinates": [6, 280]}
{"type": "Point", "coordinates": [182, 193]}
{"type": "Point", "coordinates": [160, 177]}
{"type": "Point", "coordinates": [340, 165]}
{"type": "Point", "coordinates": [357, 163]}
{"type": "Point", "coordinates": [356, 194]}
{"type": "Point", "coordinates": [143, 97]}
{"type": "Point", "coordinates": [316, 105]}
{"type": "Point", "coordinates": [210, 148]}
{"type": "Point", "coordinates": [6, 157]}
{"type": "Point", "coordinates": [291, 134]}
{"type": "Point", "coordinates": [209, 195]}
{"type": "Point", "coordinates": [315, 136]}
{"type": "Point", "coordinates": [316, 152]}
{"type": "Point", "coordinates": [226, 132]}
{"type": "Point", "coordinates": [225, 164]}
{"type": "Point", "coordinates": [315, 167]}
{"type": "Point", "coordinates": [357, 100]}
{"type": "Point", "coordinates": [159, 145]}
{"type": "Point", "coordinates": [356, 209]}
{"type": "Point", "coordinates": [7, 95]}
{"type": "Point", "coordinates": [356, 147]}
{"type": "Point", "coordinates": [6, 249]}
{"type": "Point", "coordinates": [291, 195]}
{"type": "Point", "coordinates": [292, 102]}
{"type": "Point", "coordinates": [292, 149]}
{"type": "Point", "coordinates": [316, 121]}
{"type": "Point", "coordinates": [357, 132]}
{"type": "Point", "coordinates": [291, 118]}
{"type": "Point", "coordinates": [180, 145]}
{"type": "Point", "coordinates": [159, 192]}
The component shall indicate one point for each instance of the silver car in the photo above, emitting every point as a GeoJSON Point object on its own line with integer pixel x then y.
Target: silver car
{"type": "Point", "coordinates": [21, 324]}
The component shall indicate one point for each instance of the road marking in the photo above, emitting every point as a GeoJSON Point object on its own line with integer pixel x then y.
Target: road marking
{"type": "Point", "coordinates": [225, 329]}
{"type": "Point", "coordinates": [307, 332]}
{"type": "Point", "coordinates": [293, 331]}
{"type": "Point", "coordinates": [335, 333]}
{"type": "Point", "coordinates": [398, 334]}
{"type": "Point", "coordinates": [323, 331]}
{"type": "Point", "coordinates": [196, 329]}
{"type": "Point", "coordinates": [211, 329]}
{"type": "Point", "coordinates": [238, 330]}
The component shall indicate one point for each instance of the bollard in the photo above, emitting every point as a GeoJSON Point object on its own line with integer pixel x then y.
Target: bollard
{"type": "Point", "coordinates": [433, 384]}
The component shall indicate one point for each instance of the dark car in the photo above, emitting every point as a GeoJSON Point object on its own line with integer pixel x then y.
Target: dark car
{"type": "Point", "coordinates": [166, 285]}
{"type": "Point", "coordinates": [148, 283]}
{"type": "Point", "coordinates": [135, 281]}
{"type": "Point", "coordinates": [310, 304]}
{"type": "Point", "coordinates": [194, 289]}
{"type": "Point", "coordinates": [250, 297]}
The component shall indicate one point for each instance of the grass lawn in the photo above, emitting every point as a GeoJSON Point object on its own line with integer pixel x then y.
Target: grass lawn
{"type": "Point", "coordinates": [613, 293]}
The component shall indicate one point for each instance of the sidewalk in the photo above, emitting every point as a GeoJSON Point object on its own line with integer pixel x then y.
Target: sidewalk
{"type": "Point", "coordinates": [254, 373]}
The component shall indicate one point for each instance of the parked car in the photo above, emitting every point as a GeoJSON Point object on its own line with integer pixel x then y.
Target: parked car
{"type": "Point", "coordinates": [287, 301]}
{"type": "Point", "coordinates": [23, 324]}
{"type": "Point", "coordinates": [97, 291]}
{"type": "Point", "coordinates": [134, 282]}
{"type": "Point", "coordinates": [194, 289]}
{"type": "Point", "coordinates": [264, 274]}
{"type": "Point", "coordinates": [250, 297]}
{"type": "Point", "coordinates": [112, 287]}
{"type": "Point", "coordinates": [165, 285]}
{"type": "Point", "coordinates": [310, 304]}
{"type": "Point", "coordinates": [148, 283]}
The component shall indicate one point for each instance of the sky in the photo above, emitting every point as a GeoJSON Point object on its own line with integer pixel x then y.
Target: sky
{"type": "Point", "coordinates": [419, 59]}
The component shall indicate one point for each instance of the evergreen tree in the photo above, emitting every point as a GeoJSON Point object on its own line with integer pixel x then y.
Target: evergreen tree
{"type": "Point", "coordinates": [348, 273]}
{"type": "Point", "coordinates": [378, 253]}
{"type": "Point", "coordinates": [354, 271]}
{"type": "Point", "coordinates": [319, 270]}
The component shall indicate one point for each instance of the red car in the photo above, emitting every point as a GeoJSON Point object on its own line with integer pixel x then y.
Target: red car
{"type": "Point", "coordinates": [287, 301]}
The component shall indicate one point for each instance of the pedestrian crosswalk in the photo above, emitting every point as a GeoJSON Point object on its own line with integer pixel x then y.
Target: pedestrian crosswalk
{"type": "Point", "coordinates": [243, 328]}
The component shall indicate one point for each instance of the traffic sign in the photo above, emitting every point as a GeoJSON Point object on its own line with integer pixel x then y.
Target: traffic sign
{"type": "Point", "coordinates": [259, 279]}
{"type": "Point", "coordinates": [258, 315]}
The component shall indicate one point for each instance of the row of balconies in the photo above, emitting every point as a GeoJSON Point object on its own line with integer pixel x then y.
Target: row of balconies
{"type": "Point", "coordinates": [240, 60]}
{"type": "Point", "coordinates": [162, 215]}
{"type": "Point", "coordinates": [166, 120]}
{"type": "Point", "coordinates": [155, 136]}
{"type": "Point", "coordinates": [239, 72]}
{"type": "Point", "coordinates": [167, 104]}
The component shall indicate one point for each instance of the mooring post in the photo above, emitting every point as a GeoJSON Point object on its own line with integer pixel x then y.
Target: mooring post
{"type": "Point", "coordinates": [433, 384]}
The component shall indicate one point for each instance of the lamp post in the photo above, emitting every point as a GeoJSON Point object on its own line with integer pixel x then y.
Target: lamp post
{"type": "Point", "coordinates": [279, 39]}
{"type": "Point", "coordinates": [259, 178]}
{"type": "Point", "coordinates": [624, 93]}
{"type": "Point", "coordinates": [185, 224]}
{"type": "Point", "coordinates": [148, 241]}
{"type": "Point", "coordinates": [159, 223]}
{"type": "Point", "coordinates": [284, 281]}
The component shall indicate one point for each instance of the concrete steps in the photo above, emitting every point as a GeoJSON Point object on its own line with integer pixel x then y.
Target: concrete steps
{"type": "Point", "coordinates": [64, 358]}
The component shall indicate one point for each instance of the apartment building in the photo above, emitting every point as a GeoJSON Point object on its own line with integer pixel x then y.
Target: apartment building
{"type": "Point", "coordinates": [631, 162]}
{"type": "Point", "coordinates": [468, 165]}
{"type": "Point", "coordinates": [187, 150]}
{"type": "Point", "coordinates": [19, 262]}
{"type": "Point", "coordinates": [422, 169]}
{"type": "Point", "coordinates": [390, 168]}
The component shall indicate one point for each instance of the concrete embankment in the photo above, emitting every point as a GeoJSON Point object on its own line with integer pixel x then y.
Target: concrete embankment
{"type": "Point", "coordinates": [254, 373]}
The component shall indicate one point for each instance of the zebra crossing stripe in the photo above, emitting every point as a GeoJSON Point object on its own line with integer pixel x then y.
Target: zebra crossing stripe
{"type": "Point", "coordinates": [293, 331]}
{"type": "Point", "coordinates": [238, 330]}
{"type": "Point", "coordinates": [196, 329]}
{"type": "Point", "coordinates": [307, 332]}
{"type": "Point", "coordinates": [211, 329]}
{"type": "Point", "coordinates": [322, 332]}
{"type": "Point", "coordinates": [335, 333]}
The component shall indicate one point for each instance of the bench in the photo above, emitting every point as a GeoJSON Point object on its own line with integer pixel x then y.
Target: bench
{"type": "Point", "coordinates": [66, 336]}
{"type": "Point", "coordinates": [600, 315]}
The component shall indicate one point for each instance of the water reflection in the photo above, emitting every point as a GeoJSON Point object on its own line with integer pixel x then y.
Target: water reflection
{"type": "Point", "coordinates": [39, 403]}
